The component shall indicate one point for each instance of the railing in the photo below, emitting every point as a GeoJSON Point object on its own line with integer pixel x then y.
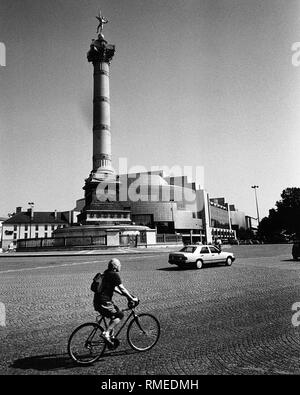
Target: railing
{"type": "Point", "coordinates": [61, 242]}
{"type": "Point", "coordinates": [93, 241]}
{"type": "Point", "coordinates": [133, 240]}
{"type": "Point", "coordinates": [168, 238]}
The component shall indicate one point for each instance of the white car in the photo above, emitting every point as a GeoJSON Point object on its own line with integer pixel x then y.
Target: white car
{"type": "Point", "coordinates": [199, 255]}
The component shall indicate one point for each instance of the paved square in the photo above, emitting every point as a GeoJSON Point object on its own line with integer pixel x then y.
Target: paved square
{"type": "Point", "coordinates": [217, 320]}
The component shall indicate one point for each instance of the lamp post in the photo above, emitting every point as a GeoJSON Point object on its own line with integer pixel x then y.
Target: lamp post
{"type": "Point", "coordinates": [31, 204]}
{"type": "Point", "coordinates": [255, 188]}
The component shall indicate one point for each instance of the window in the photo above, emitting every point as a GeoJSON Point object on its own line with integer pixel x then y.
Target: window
{"type": "Point", "coordinates": [15, 236]}
{"type": "Point", "coordinates": [204, 250]}
{"type": "Point", "coordinates": [188, 249]}
{"type": "Point", "coordinates": [214, 250]}
{"type": "Point", "coordinates": [46, 227]}
{"type": "Point", "coordinates": [15, 228]}
{"type": "Point", "coordinates": [26, 236]}
{"type": "Point", "coordinates": [53, 227]}
{"type": "Point", "coordinates": [46, 235]}
{"type": "Point", "coordinates": [26, 227]}
{"type": "Point", "coordinates": [36, 227]}
{"type": "Point", "coordinates": [36, 235]}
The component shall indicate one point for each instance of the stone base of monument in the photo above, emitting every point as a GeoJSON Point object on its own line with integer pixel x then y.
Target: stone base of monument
{"type": "Point", "coordinates": [105, 235]}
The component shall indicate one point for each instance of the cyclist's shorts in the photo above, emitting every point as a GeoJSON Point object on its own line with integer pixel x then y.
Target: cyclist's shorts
{"type": "Point", "coordinates": [109, 310]}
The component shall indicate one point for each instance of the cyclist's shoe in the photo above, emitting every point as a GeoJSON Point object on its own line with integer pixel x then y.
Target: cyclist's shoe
{"type": "Point", "coordinates": [107, 339]}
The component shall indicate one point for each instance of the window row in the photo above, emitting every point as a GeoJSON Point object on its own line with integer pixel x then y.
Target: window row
{"type": "Point", "coordinates": [26, 236]}
{"type": "Point", "coordinates": [36, 227]}
{"type": "Point", "coordinates": [109, 216]}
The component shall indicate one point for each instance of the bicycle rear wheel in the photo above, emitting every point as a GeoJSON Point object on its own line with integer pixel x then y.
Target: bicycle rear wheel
{"type": "Point", "coordinates": [143, 332]}
{"type": "Point", "coordinates": [86, 344]}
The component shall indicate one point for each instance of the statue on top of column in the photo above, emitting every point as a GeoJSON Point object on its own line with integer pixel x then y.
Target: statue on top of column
{"type": "Point", "coordinates": [102, 22]}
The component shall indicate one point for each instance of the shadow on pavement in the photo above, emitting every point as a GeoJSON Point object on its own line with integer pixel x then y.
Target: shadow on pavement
{"type": "Point", "coordinates": [169, 269]}
{"type": "Point", "coordinates": [59, 361]}
{"type": "Point", "coordinates": [289, 260]}
{"type": "Point", "coordinates": [189, 267]}
{"type": "Point", "coordinates": [44, 362]}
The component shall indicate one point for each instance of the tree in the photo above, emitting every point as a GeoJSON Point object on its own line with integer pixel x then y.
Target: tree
{"type": "Point", "coordinates": [288, 209]}
{"type": "Point", "coordinates": [283, 222]}
{"type": "Point", "coordinates": [245, 234]}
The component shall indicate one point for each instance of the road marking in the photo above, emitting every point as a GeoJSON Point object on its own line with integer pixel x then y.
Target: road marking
{"type": "Point", "coordinates": [67, 264]}
{"type": "Point", "coordinates": [48, 267]}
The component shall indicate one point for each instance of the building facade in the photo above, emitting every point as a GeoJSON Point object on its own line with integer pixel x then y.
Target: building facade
{"type": "Point", "coordinates": [2, 219]}
{"type": "Point", "coordinates": [219, 221]}
{"type": "Point", "coordinates": [251, 224]}
{"type": "Point", "coordinates": [168, 204]}
{"type": "Point", "coordinates": [33, 225]}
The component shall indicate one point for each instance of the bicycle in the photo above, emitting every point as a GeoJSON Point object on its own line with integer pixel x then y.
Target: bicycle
{"type": "Point", "coordinates": [86, 344]}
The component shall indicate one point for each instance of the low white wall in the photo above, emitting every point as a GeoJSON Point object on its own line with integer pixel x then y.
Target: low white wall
{"type": "Point", "coordinates": [113, 239]}
{"type": "Point", "coordinates": [151, 237]}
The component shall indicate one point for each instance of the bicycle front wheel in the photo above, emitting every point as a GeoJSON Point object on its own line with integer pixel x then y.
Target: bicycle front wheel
{"type": "Point", "coordinates": [143, 332]}
{"type": "Point", "coordinates": [86, 344]}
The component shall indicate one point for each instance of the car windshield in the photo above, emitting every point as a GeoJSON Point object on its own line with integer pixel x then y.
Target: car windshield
{"type": "Point", "coordinates": [188, 249]}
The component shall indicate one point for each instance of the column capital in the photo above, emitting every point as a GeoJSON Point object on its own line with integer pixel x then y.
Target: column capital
{"type": "Point", "coordinates": [101, 51]}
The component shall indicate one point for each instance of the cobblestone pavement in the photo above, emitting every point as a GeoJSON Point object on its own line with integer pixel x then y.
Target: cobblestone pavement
{"type": "Point", "coordinates": [218, 320]}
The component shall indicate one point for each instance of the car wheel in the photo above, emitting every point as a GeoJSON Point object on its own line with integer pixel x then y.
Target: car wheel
{"type": "Point", "coordinates": [199, 264]}
{"type": "Point", "coordinates": [229, 261]}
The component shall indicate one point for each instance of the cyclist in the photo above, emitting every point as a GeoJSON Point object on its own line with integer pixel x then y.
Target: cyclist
{"type": "Point", "coordinates": [218, 244]}
{"type": "Point", "coordinates": [103, 300]}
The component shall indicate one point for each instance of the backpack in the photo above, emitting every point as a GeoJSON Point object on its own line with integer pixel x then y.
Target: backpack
{"type": "Point", "coordinates": [96, 285]}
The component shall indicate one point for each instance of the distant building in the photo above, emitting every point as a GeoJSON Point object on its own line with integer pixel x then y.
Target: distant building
{"type": "Point", "coordinates": [165, 203]}
{"type": "Point", "coordinates": [32, 225]}
{"type": "Point", "coordinates": [153, 199]}
{"type": "Point", "coordinates": [238, 221]}
{"type": "Point", "coordinates": [170, 205]}
{"type": "Point", "coordinates": [251, 224]}
{"type": "Point", "coordinates": [244, 225]}
{"type": "Point", "coordinates": [2, 219]}
{"type": "Point", "coordinates": [220, 222]}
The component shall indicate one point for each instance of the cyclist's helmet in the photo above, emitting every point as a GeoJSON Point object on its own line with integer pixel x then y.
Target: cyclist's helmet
{"type": "Point", "coordinates": [114, 265]}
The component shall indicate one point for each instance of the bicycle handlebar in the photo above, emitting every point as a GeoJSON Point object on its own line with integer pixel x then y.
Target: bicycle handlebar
{"type": "Point", "coordinates": [132, 304]}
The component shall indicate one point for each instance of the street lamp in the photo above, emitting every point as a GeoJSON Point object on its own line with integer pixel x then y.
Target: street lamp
{"type": "Point", "coordinates": [255, 187]}
{"type": "Point", "coordinates": [31, 204]}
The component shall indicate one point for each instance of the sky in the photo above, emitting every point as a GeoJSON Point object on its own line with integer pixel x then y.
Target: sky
{"type": "Point", "coordinates": [205, 83]}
